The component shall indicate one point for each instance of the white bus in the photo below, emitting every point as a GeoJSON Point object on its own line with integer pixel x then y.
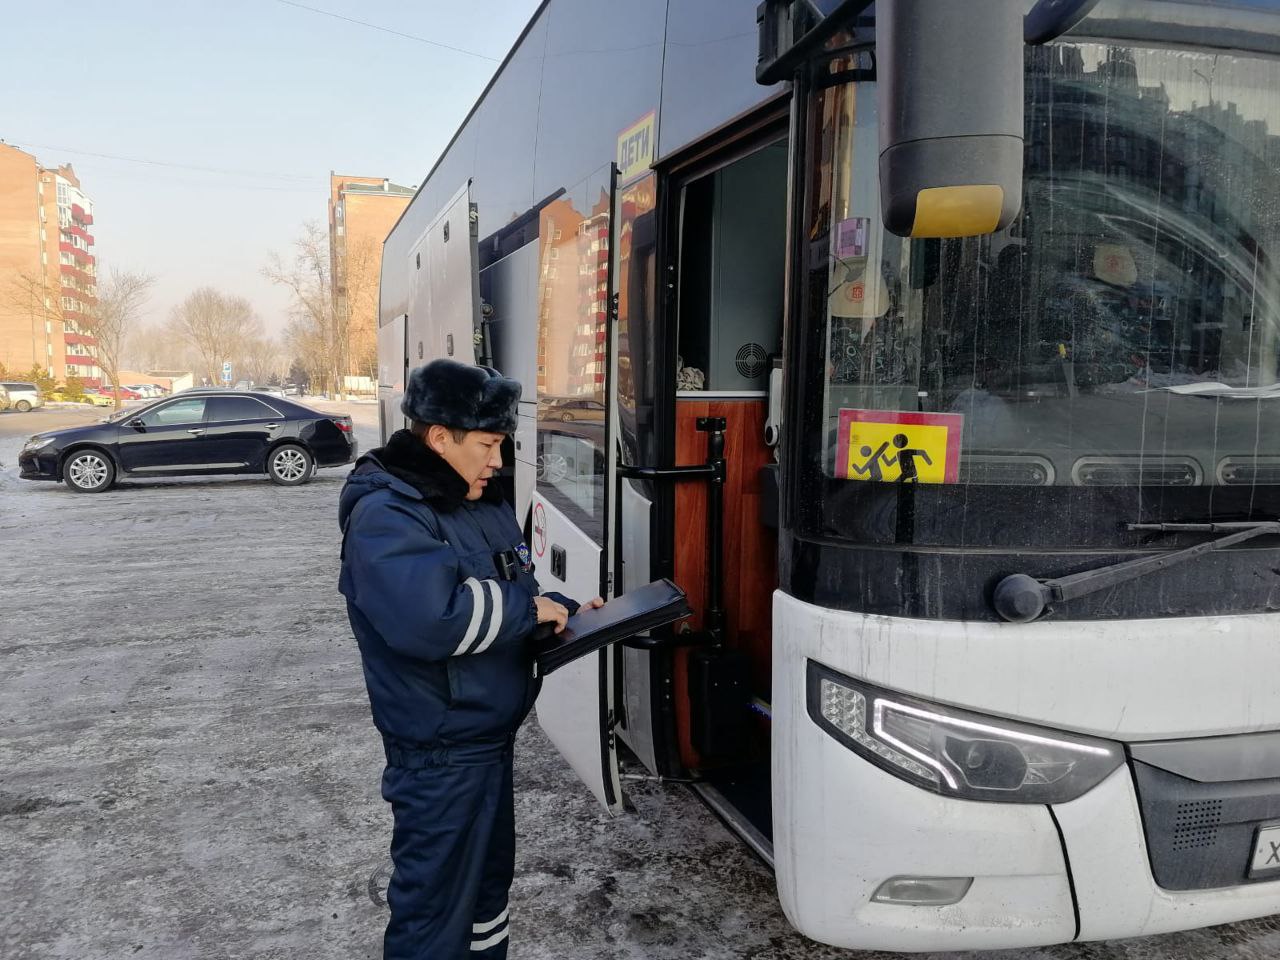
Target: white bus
{"type": "Point", "coordinates": [980, 531]}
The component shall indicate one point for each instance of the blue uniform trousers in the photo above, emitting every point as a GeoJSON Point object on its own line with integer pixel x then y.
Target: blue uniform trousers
{"type": "Point", "coordinates": [453, 850]}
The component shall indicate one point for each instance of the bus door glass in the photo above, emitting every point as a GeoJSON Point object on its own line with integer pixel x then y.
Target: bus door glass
{"type": "Point", "coordinates": [636, 366]}
{"type": "Point", "coordinates": [570, 502]}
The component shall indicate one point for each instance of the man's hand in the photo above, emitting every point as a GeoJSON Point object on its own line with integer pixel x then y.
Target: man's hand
{"type": "Point", "coordinates": [551, 612]}
{"type": "Point", "coordinates": [597, 602]}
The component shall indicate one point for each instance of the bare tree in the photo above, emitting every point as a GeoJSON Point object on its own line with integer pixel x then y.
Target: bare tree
{"type": "Point", "coordinates": [162, 346]}
{"type": "Point", "coordinates": [357, 288]}
{"type": "Point", "coordinates": [30, 295]}
{"type": "Point", "coordinates": [263, 358]}
{"type": "Point", "coordinates": [317, 331]}
{"type": "Point", "coordinates": [309, 349]}
{"type": "Point", "coordinates": [217, 325]}
{"type": "Point", "coordinates": [121, 297]}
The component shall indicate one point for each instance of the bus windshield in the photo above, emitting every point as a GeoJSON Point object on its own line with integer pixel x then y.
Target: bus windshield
{"type": "Point", "coordinates": [1123, 332]}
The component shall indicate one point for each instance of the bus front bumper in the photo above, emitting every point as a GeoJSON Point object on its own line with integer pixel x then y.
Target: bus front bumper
{"type": "Point", "coordinates": [1114, 887]}
{"type": "Point", "coordinates": [842, 827]}
{"type": "Point", "coordinates": [1040, 874]}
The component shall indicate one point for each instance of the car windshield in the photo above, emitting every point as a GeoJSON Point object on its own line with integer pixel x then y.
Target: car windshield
{"type": "Point", "coordinates": [1123, 332]}
{"type": "Point", "coordinates": [123, 414]}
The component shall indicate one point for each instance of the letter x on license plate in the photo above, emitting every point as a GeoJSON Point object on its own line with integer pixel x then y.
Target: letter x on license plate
{"type": "Point", "coordinates": [1266, 851]}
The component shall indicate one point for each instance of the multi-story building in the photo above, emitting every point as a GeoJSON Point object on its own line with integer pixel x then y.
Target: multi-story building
{"type": "Point", "coordinates": [77, 274]}
{"type": "Point", "coordinates": [48, 276]}
{"type": "Point", "coordinates": [362, 211]}
{"type": "Point", "coordinates": [573, 306]}
{"type": "Point", "coordinates": [27, 306]}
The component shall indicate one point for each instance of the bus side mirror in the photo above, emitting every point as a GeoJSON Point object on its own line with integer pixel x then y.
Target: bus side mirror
{"type": "Point", "coordinates": [950, 83]}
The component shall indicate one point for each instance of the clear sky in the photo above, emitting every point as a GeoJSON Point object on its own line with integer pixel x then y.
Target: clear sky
{"type": "Point", "coordinates": [270, 96]}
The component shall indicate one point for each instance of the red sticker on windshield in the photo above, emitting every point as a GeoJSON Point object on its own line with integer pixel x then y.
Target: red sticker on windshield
{"type": "Point", "coordinates": [895, 446]}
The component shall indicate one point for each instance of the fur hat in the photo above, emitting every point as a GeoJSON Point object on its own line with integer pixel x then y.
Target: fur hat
{"type": "Point", "coordinates": [457, 395]}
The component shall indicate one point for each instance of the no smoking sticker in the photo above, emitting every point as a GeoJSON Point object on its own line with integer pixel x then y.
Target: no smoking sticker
{"type": "Point", "coordinates": [539, 530]}
{"type": "Point", "coordinates": [895, 446]}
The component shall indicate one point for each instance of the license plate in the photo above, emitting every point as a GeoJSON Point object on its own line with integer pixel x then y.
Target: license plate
{"type": "Point", "coordinates": [1266, 851]}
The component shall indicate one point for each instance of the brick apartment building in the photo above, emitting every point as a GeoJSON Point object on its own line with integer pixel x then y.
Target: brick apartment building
{"type": "Point", "coordinates": [48, 273]}
{"type": "Point", "coordinates": [362, 211]}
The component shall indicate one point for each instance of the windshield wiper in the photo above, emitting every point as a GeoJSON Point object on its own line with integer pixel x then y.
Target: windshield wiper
{"type": "Point", "coordinates": [1021, 598]}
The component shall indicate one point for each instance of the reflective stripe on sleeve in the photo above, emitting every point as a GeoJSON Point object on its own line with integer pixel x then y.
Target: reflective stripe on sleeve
{"type": "Point", "coordinates": [477, 612]}
{"type": "Point", "coordinates": [495, 621]}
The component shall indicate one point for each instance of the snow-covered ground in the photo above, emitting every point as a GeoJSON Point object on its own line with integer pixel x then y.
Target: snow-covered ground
{"type": "Point", "coordinates": [188, 770]}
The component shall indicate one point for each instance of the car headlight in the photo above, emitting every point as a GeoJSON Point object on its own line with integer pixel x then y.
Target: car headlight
{"type": "Point", "coordinates": [955, 752]}
{"type": "Point", "coordinates": [37, 443]}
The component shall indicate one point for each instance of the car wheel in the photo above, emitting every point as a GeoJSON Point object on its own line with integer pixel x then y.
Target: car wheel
{"type": "Point", "coordinates": [566, 417]}
{"type": "Point", "coordinates": [552, 468]}
{"type": "Point", "coordinates": [289, 465]}
{"type": "Point", "coordinates": [88, 471]}
{"type": "Point", "coordinates": [22, 406]}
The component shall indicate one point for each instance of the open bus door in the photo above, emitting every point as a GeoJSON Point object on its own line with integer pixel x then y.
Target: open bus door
{"type": "Point", "coordinates": [444, 306]}
{"type": "Point", "coordinates": [569, 527]}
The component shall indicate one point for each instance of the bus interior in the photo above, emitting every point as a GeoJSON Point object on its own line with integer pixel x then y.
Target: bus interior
{"type": "Point", "coordinates": [729, 228]}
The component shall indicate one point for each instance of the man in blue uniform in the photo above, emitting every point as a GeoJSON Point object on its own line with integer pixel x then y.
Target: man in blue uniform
{"type": "Point", "coordinates": [443, 601]}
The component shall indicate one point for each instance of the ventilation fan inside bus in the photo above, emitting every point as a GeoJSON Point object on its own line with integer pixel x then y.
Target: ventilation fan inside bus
{"type": "Point", "coordinates": [751, 361]}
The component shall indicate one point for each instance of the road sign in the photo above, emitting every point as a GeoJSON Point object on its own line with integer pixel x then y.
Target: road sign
{"type": "Point", "coordinates": [896, 446]}
{"type": "Point", "coordinates": [226, 371]}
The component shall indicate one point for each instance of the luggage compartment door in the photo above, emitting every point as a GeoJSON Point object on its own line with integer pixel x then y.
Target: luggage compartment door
{"type": "Point", "coordinates": [393, 363]}
{"type": "Point", "coordinates": [444, 305]}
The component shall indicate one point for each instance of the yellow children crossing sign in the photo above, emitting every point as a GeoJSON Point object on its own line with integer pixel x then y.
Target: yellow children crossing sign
{"type": "Point", "coordinates": [895, 446]}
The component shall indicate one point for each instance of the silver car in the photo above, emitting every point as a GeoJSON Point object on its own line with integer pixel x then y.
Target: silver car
{"type": "Point", "coordinates": [23, 396]}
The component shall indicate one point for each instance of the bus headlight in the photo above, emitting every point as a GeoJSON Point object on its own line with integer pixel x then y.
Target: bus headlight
{"type": "Point", "coordinates": [953, 751]}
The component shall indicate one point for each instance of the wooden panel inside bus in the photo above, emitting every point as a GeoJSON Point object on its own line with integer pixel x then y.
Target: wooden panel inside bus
{"type": "Point", "coordinates": [750, 548]}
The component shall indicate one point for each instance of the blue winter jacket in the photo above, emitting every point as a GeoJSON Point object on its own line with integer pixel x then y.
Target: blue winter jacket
{"type": "Point", "coordinates": [443, 638]}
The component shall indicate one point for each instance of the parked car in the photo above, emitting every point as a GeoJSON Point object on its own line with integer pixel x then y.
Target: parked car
{"type": "Point", "coordinates": [566, 409]}
{"type": "Point", "coordinates": [98, 399]}
{"type": "Point", "coordinates": [23, 396]}
{"type": "Point", "coordinates": [148, 391]}
{"type": "Point", "coordinates": [271, 392]}
{"type": "Point", "coordinates": [123, 392]}
{"type": "Point", "coordinates": [193, 433]}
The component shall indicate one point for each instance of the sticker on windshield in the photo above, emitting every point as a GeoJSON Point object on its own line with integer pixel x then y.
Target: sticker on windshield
{"type": "Point", "coordinates": [894, 446]}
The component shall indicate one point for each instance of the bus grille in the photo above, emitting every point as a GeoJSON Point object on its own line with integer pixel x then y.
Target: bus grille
{"type": "Point", "coordinates": [1200, 836]}
{"type": "Point", "coordinates": [1196, 824]}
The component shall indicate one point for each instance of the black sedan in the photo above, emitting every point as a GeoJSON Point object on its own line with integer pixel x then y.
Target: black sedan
{"type": "Point", "coordinates": [193, 433]}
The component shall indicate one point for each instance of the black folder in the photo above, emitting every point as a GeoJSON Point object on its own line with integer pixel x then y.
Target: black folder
{"type": "Point", "coordinates": [587, 631]}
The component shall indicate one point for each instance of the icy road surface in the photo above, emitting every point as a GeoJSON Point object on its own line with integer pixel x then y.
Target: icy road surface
{"type": "Point", "coordinates": [188, 770]}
